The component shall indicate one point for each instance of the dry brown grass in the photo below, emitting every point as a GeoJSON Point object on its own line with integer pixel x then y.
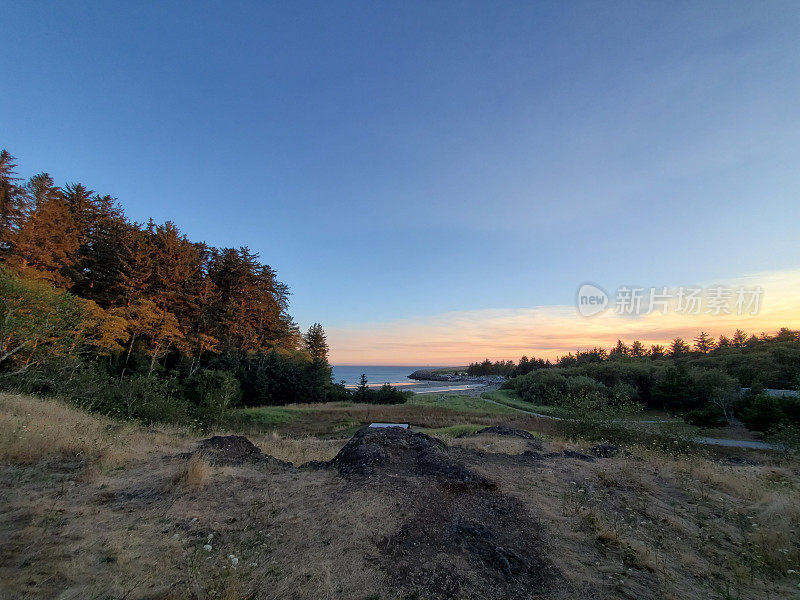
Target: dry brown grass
{"type": "Point", "coordinates": [33, 430]}
{"type": "Point", "coordinates": [327, 419]}
{"type": "Point", "coordinates": [492, 443]}
{"type": "Point", "coordinates": [195, 473]}
{"type": "Point", "coordinates": [646, 526]}
{"type": "Point", "coordinates": [298, 450]}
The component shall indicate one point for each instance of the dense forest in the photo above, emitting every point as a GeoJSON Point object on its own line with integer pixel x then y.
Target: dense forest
{"type": "Point", "coordinates": [137, 319]}
{"type": "Point", "coordinates": [701, 380]}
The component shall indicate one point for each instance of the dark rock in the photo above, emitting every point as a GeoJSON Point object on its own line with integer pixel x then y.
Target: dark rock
{"type": "Point", "coordinates": [736, 459]}
{"type": "Point", "coordinates": [530, 454]}
{"type": "Point", "coordinates": [604, 450]}
{"type": "Point", "coordinates": [578, 455]}
{"type": "Point", "coordinates": [395, 451]}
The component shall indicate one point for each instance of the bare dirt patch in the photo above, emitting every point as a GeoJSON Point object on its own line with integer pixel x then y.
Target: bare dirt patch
{"type": "Point", "coordinates": [462, 537]}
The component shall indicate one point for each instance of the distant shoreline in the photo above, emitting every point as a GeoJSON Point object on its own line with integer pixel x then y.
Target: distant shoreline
{"type": "Point", "coordinates": [455, 377]}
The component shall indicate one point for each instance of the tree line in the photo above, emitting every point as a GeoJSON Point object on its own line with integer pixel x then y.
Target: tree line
{"type": "Point", "coordinates": [703, 380]}
{"type": "Point", "coordinates": [83, 286]}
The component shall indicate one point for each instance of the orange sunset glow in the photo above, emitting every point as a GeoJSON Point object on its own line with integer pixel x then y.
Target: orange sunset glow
{"type": "Point", "coordinates": [458, 338]}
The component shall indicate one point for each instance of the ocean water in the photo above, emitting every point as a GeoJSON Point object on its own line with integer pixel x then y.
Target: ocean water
{"type": "Point", "coordinates": [375, 375]}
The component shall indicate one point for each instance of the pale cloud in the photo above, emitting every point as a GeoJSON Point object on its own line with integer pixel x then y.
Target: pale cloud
{"type": "Point", "coordinates": [550, 331]}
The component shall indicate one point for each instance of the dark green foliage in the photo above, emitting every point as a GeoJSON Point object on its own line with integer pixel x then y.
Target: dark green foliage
{"type": "Point", "coordinates": [673, 389]}
{"type": "Point", "coordinates": [385, 394]}
{"type": "Point", "coordinates": [316, 343]}
{"type": "Point", "coordinates": [766, 412]}
{"type": "Point", "coordinates": [527, 365]}
{"type": "Point", "coordinates": [706, 416]}
{"type": "Point", "coordinates": [554, 387]}
{"type": "Point", "coordinates": [592, 417]}
{"type": "Point", "coordinates": [211, 393]}
{"type": "Point", "coordinates": [487, 367]}
{"type": "Point", "coordinates": [362, 392]}
{"type": "Point", "coordinates": [276, 379]}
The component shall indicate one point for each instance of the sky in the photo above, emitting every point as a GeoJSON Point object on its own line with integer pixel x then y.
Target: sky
{"type": "Point", "coordinates": [434, 180]}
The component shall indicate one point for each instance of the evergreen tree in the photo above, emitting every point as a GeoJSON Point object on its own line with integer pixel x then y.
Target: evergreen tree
{"type": "Point", "coordinates": [637, 348]}
{"type": "Point", "coordinates": [47, 241]}
{"type": "Point", "coordinates": [362, 392]}
{"type": "Point", "coordinates": [621, 349]}
{"type": "Point", "coordinates": [678, 348]}
{"type": "Point", "coordinates": [12, 206]}
{"type": "Point", "coordinates": [703, 343]}
{"type": "Point", "coordinates": [316, 343]}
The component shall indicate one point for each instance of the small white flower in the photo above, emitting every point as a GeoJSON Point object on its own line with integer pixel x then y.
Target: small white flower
{"type": "Point", "coordinates": [176, 536]}
{"type": "Point", "coordinates": [207, 547]}
{"type": "Point", "coordinates": [234, 560]}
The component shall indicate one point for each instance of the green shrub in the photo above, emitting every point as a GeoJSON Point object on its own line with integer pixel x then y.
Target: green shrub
{"type": "Point", "coordinates": [593, 418]}
{"type": "Point", "coordinates": [386, 394]}
{"type": "Point", "coordinates": [706, 416]}
{"type": "Point", "coordinates": [211, 393]}
{"type": "Point", "coordinates": [763, 413]}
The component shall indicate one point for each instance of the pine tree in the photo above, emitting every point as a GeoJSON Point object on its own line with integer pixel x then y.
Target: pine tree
{"type": "Point", "coordinates": [621, 349]}
{"type": "Point", "coordinates": [739, 338]}
{"type": "Point", "coordinates": [362, 392]}
{"type": "Point", "coordinates": [46, 243]}
{"type": "Point", "coordinates": [703, 343]}
{"type": "Point", "coordinates": [678, 347]}
{"type": "Point", "coordinates": [637, 348]}
{"type": "Point", "coordinates": [316, 343]}
{"type": "Point", "coordinates": [12, 205]}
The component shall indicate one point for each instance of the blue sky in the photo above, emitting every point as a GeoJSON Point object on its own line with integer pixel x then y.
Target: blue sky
{"type": "Point", "coordinates": [398, 160]}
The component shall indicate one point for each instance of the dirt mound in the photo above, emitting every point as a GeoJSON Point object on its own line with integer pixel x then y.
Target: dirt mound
{"type": "Point", "coordinates": [477, 545]}
{"type": "Point", "coordinates": [578, 455]}
{"type": "Point", "coordinates": [395, 451]}
{"type": "Point", "coordinates": [506, 431]}
{"type": "Point", "coordinates": [235, 450]}
{"type": "Point", "coordinates": [461, 537]}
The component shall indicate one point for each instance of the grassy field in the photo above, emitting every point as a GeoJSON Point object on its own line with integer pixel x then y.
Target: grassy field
{"type": "Point", "coordinates": [94, 508]}
{"type": "Point", "coordinates": [511, 399]}
{"type": "Point", "coordinates": [423, 411]}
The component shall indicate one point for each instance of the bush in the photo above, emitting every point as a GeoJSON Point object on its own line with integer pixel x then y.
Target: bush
{"type": "Point", "coordinates": [277, 379]}
{"type": "Point", "coordinates": [385, 394]}
{"type": "Point", "coordinates": [766, 412]}
{"type": "Point", "coordinates": [706, 416]}
{"type": "Point", "coordinates": [673, 389]}
{"type": "Point", "coordinates": [593, 418]}
{"type": "Point", "coordinates": [763, 413]}
{"type": "Point", "coordinates": [210, 393]}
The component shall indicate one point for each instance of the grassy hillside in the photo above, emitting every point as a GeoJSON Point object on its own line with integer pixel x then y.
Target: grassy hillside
{"type": "Point", "coordinates": [94, 508]}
